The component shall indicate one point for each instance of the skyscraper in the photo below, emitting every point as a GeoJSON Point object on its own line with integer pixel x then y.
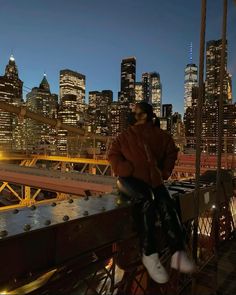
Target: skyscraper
{"type": "Point", "coordinates": [210, 127]}
{"type": "Point", "coordinates": [10, 92]}
{"type": "Point", "coordinates": [152, 91]}
{"type": "Point", "coordinates": [128, 79]}
{"type": "Point", "coordinates": [190, 126]}
{"type": "Point", "coordinates": [72, 103]}
{"type": "Point", "coordinates": [167, 110]}
{"type": "Point", "coordinates": [40, 100]}
{"type": "Point", "coordinates": [167, 114]}
{"type": "Point", "coordinates": [126, 96]}
{"type": "Point", "coordinates": [114, 118]}
{"type": "Point", "coordinates": [146, 86]}
{"type": "Point", "coordinates": [138, 91]}
{"type": "Point", "coordinates": [213, 60]}
{"type": "Point", "coordinates": [156, 93]}
{"type": "Point", "coordinates": [229, 128]}
{"type": "Point", "coordinates": [195, 94]}
{"type": "Point", "coordinates": [72, 82]}
{"type": "Point", "coordinates": [210, 120]}
{"type": "Point", "coordinates": [99, 103]}
{"type": "Point", "coordinates": [190, 81]}
{"type": "Point", "coordinates": [229, 88]}
{"type": "Point", "coordinates": [93, 99]}
{"type": "Point", "coordinates": [178, 131]}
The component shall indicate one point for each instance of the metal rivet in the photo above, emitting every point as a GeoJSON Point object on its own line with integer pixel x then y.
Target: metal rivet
{"type": "Point", "coordinates": [27, 227]}
{"type": "Point", "coordinates": [3, 233]}
{"type": "Point", "coordinates": [86, 213]}
{"type": "Point", "coordinates": [33, 207]}
{"type": "Point", "coordinates": [15, 211]}
{"type": "Point", "coordinates": [47, 222]}
{"type": "Point", "coordinates": [66, 217]}
{"type": "Point", "coordinates": [70, 201]}
{"type": "Point", "coordinates": [54, 204]}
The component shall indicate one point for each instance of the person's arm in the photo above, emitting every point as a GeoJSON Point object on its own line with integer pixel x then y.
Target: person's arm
{"type": "Point", "coordinates": [120, 166]}
{"type": "Point", "coordinates": [171, 153]}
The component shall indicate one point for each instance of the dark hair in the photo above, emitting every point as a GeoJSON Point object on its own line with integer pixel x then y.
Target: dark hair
{"type": "Point", "coordinates": [148, 109]}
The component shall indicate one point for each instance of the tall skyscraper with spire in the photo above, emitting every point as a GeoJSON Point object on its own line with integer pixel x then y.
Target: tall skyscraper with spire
{"type": "Point", "coordinates": [42, 101]}
{"type": "Point", "coordinates": [210, 110]}
{"type": "Point", "coordinates": [10, 92]}
{"type": "Point", "coordinates": [190, 80]}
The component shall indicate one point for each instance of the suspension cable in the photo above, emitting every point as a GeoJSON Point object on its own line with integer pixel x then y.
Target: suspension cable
{"type": "Point", "coordinates": [199, 127]}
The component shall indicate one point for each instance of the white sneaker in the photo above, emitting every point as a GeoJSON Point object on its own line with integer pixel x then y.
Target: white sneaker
{"type": "Point", "coordinates": [182, 263]}
{"type": "Point", "coordinates": [155, 269]}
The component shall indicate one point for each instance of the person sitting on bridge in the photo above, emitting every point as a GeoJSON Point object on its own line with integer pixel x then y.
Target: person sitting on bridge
{"type": "Point", "coordinates": [143, 156]}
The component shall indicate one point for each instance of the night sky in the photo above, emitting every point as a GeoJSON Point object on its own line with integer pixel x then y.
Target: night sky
{"type": "Point", "coordinates": [92, 36]}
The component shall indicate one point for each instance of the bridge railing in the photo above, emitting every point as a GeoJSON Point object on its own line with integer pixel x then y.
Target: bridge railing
{"type": "Point", "coordinates": [84, 254]}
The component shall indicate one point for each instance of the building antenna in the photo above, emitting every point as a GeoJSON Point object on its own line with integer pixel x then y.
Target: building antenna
{"type": "Point", "coordinates": [191, 52]}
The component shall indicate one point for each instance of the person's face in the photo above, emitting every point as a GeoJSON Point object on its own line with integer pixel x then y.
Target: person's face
{"type": "Point", "coordinates": [140, 116]}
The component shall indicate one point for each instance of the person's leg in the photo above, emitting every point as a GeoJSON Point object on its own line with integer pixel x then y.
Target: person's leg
{"type": "Point", "coordinates": [173, 228]}
{"type": "Point", "coordinates": [169, 218]}
{"type": "Point", "coordinates": [144, 215]}
{"type": "Point", "coordinates": [150, 257]}
{"type": "Point", "coordinates": [149, 230]}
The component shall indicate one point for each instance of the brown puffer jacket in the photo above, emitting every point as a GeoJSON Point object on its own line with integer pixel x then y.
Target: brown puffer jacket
{"type": "Point", "coordinates": [145, 152]}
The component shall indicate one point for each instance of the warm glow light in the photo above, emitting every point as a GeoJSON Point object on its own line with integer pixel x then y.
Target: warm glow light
{"type": "Point", "coordinates": [12, 58]}
{"type": "Point", "coordinates": [32, 286]}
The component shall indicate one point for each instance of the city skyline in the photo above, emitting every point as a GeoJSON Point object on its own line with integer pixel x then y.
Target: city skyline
{"type": "Point", "coordinates": [101, 63]}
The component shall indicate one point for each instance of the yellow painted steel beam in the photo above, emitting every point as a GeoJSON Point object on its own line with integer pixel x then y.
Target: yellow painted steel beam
{"type": "Point", "coordinates": [23, 163]}
{"type": "Point", "coordinates": [55, 181]}
{"type": "Point", "coordinates": [27, 196]}
{"type": "Point", "coordinates": [36, 194]}
{"type": "Point", "coordinates": [6, 157]}
{"type": "Point", "coordinates": [18, 206]}
{"type": "Point", "coordinates": [33, 162]}
{"type": "Point", "coordinates": [62, 196]}
{"type": "Point", "coordinates": [3, 186]}
{"type": "Point", "coordinates": [72, 160]}
{"type": "Point", "coordinates": [13, 191]}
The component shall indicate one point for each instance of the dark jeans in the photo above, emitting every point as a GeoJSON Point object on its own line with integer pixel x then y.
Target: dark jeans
{"type": "Point", "coordinates": [145, 215]}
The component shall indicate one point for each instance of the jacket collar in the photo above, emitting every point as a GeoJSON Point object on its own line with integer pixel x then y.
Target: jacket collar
{"type": "Point", "coordinates": [142, 126]}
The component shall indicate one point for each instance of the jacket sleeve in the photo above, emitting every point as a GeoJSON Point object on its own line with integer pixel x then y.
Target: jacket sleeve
{"type": "Point", "coordinates": [171, 153]}
{"type": "Point", "coordinates": [120, 166]}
